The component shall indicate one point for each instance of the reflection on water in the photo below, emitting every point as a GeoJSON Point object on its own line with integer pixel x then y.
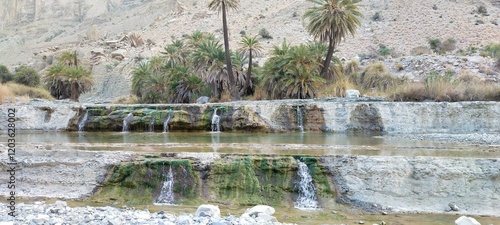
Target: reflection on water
{"type": "Point", "coordinates": [205, 137]}
{"type": "Point", "coordinates": [311, 143]}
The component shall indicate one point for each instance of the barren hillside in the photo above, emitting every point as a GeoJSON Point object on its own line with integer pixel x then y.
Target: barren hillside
{"type": "Point", "coordinates": [32, 32]}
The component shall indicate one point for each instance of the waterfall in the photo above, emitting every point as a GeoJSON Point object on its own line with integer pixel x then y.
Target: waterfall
{"type": "Point", "coordinates": [126, 121]}
{"type": "Point", "coordinates": [151, 127]}
{"type": "Point", "coordinates": [82, 122]}
{"type": "Point", "coordinates": [166, 121]}
{"type": "Point", "coordinates": [300, 123]}
{"type": "Point", "coordinates": [307, 193]}
{"type": "Point", "coordinates": [167, 191]}
{"type": "Point", "coordinates": [215, 122]}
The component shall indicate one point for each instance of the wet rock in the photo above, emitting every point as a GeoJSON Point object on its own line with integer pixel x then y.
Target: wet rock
{"type": "Point", "coordinates": [464, 220]}
{"type": "Point", "coordinates": [208, 211]}
{"type": "Point", "coordinates": [366, 117]}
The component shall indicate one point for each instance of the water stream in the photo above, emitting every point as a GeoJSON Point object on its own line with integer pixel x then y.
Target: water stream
{"type": "Point", "coordinates": [151, 127]}
{"type": "Point", "coordinates": [166, 121]}
{"type": "Point", "coordinates": [129, 118]}
{"type": "Point", "coordinates": [167, 191]}
{"type": "Point", "coordinates": [300, 123]}
{"type": "Point", "coordinates": [307, 199]}
{"type": "Point", "coordinates": [215, 122]}
{"type": "Point", "coordinates": [81, 124]}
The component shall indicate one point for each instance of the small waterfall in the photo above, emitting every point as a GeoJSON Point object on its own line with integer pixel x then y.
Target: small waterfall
{"type": "Point", "coordinates": [300, 123]}
{"type": "Point", "coordinates": [167, 191]}
{"type": "Point", "coordinates": [166, 121]}
{"type": "Point", "coordinates": [151, 127]}
{"type": "Point", "coordinates": [82, 122]}
{"type": "Point", "coordinates": [215, 122]}
{"type": "Point", "coordinates": [307, 194]}
{"type": "Point", "coordinates": [126, 121]}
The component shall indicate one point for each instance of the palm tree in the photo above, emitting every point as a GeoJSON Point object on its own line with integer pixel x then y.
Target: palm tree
{"type": "Point", "coordinates": [175, 53]}
{"type": "Point", "coordinates": [54, 79]}
{"type": "Point", "coordinates": [331, 21]}
{"type": "Point", "coordinates": [183, 85]}
{"type": "Point", "coordinates": [221, 6]}
{"type": "Point", "coordinates": [68, 58]}
{"type": "Point", "coordinates": [138, 77]}
{"type": "Point", "coordinates": [250, 46]}
{"type": "Point", "coordinates": [79, 79]}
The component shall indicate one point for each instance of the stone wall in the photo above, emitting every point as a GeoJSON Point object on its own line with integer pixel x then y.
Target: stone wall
{"type": "Point", "coordinates": [333, 115]}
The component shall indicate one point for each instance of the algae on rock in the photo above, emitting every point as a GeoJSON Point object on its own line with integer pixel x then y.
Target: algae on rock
{"type": "Point", "coordinates": [141, 183]}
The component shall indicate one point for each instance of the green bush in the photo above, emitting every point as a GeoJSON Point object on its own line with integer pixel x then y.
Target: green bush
{"type": "Point", "coordinates": [5, 75]}
{"type": "Point", "coordinates": [27, 76]}
{"type": "Point", "coordinates": [265, 34]}
{"type": "Point", "coordinates": [435, 44]}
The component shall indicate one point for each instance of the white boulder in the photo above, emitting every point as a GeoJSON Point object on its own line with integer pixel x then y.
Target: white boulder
{"type": "Point", "coordinates": [464, 220]}
{"type": "Point", "coordinates": [208, 211]}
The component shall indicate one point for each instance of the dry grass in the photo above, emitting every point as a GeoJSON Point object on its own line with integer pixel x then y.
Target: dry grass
{"type": "Point", "coordinates": [127, 100]}
{"type": "Point", "coordinates": [335, 89]}
{"type": "Point", "coordinates": [465, 87]}
{"type": "Point", "coordinates": [5, 94]}
{"type": "Point", "coordinates": [31, 92]}
{"type": "Point", "coordinates": [375, 78]}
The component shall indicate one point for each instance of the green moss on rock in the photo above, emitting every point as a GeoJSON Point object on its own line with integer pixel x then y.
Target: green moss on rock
{"type": "Point", "coordinates": [141, 183]}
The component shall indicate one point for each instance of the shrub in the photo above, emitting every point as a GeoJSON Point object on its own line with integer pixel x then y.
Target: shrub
{"type": "Point", "coordinates": [5, 75]}
{"type": "Point", "coordinates": [383, 50]}
{"type": "Point", "coordinates": [449, 45]}
{"type": "Point", "coordinates": [376, 17]}
{"type": "Point", "coordinates": [435, 44]}
{"type": "Point", "coordinates": [265, 34]}
{"type": "Point", "coordinates": [493, 50]}
{"type": "Point", "coordinates": [27, 76]}
{"type": "Point", "coordinates": [481, 9]}
{"type": "Point", "coordinates": [376, 76]}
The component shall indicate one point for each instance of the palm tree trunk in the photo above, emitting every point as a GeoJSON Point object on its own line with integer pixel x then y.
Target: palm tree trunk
{"type": "Point", "coordinates": [232, 83]}
{"type": "Point", "coordinates": [326, 64]}
{"type": "Point", "coordinates": [249, 86]}
{"type": "Point", "coordinates": [74, 92]}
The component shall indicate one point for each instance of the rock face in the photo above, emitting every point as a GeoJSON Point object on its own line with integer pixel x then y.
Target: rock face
{"type": "Point", "coordinates": [59, 173]}
{"type": "Point", "coordinates": [330, 115]}
{"type": "Point", "coordinates": [229, 180]}
{"type": "Point", "coordinates": [406, 184]}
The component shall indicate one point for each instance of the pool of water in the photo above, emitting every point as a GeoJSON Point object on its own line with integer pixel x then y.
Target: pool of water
{"type": "Point", "coordinates": [309, 143]}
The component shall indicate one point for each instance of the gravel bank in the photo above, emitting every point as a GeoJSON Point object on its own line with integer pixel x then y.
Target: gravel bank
{"type": "Point", "coordinates": [60, 213]}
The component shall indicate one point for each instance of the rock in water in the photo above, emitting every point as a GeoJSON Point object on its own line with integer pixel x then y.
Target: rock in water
{"type": "Point", "coordinates": [212, 211]}
{"type": "Point", "coordinates": [464, 220]}
{"type": "Point", "coordinates": [351, 93]}
{"type": "Point", "coordinates": [203, 100]}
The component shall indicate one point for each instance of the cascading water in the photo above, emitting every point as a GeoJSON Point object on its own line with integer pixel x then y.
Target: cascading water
{"type": "Point", "coordinates": [167, 191]}
{"type": "Point", "coordinates": [126, 121]}
{"type": "Point", "coordinates": [300, 123]}
{"type": "Point", "coordinates": [215, 122]}
{"type": "Point", "coordinates": [166, 121]}
{"type": "Point", "coordinates": [81, 124]}
{"type": "Point", "coordinates": [151, 127]}
{"type": "Point", "coordinates": [307, 194]}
